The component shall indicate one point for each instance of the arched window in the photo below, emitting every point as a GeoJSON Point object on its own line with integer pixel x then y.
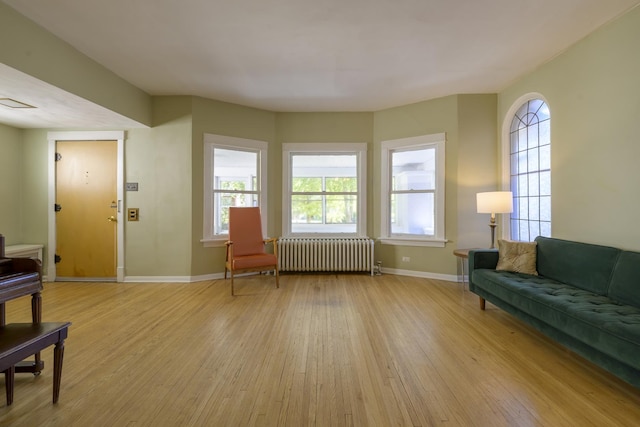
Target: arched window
{"type": "Point", "coordinates": [530, 175]}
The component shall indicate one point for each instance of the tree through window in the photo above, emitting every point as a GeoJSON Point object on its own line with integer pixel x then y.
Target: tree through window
{"type": "Point", "coordinates": [325, 189]}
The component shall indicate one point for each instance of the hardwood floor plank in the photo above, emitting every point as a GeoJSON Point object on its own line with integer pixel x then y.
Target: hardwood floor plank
{"type": "Point", "coordinates": [323, 350]}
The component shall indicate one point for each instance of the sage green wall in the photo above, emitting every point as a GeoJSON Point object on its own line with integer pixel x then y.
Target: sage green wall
{"type": "Point", "coordinates": [36, 191]}
{"type": "Point", "coordinates": [11, 194]}
{"type": "Point", "coordinates": [345, 127]}
{"type": "Point", "coordinates": [591, 89]}
{"type": "Point", "coordinates": [324, 127]}
{"type": "Point", "coordinates": [23, 185]}
{"type": "Point", "coordinates": [159, 160]}
{"type": "Point", "coordinates": [593, 94]}
{"type": "Point", "coordinates": [477, 166]}
{"type": "Point", "coordinates": [470, 166]}
{"type": "Point", "coordinates": [31, 49]}
{"type": "Point", "coordinates": [423, 118]}
{"type": "Point", "coordinates": [221, 118]}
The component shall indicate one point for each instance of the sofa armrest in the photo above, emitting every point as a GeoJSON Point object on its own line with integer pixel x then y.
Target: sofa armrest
{"type": "Point", "coordinates": [483, 258]}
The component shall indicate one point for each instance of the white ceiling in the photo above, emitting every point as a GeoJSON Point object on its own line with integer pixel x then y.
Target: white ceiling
{"type": "Point", "coordinates": [302, 55]}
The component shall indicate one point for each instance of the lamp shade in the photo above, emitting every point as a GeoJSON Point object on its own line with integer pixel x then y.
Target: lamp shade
{"type": "Point", "coordinates": [495, 202]}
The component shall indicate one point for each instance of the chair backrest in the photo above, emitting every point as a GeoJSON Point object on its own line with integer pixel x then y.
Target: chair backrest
{"type": "Point", "coordinates": [245, 231]}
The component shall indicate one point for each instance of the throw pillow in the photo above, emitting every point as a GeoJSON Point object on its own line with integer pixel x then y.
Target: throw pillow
{"type": "Point", "coordinates": [519, 257]}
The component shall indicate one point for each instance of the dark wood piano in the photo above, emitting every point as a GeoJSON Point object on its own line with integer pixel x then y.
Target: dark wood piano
{"type": "Point", "coordinates": [21, 277]}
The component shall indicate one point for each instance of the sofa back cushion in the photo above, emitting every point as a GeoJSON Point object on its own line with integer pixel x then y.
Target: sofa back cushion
{"type": "Point", "coordinates": [625, 284]}
{"type": "Point", "coordinates": [583, 265]}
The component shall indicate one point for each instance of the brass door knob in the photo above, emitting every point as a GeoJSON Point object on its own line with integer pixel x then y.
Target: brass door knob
{"type": "Point", "coordinates": [112, 219]}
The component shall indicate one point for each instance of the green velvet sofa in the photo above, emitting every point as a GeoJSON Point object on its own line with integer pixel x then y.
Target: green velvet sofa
{"type": "Point", "coordinates": [585, 296]}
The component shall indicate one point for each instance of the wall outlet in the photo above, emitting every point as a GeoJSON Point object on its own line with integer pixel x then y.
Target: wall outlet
{"type": "Point", "coordinates": [406, 259]}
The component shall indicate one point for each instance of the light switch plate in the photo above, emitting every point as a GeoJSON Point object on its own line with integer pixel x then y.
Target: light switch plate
{"type": "Point", "coordinates": [133, 214]}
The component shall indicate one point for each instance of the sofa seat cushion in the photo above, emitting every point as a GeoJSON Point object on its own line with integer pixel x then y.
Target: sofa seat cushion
{"type": "Point", "coordinates": [594, 319]}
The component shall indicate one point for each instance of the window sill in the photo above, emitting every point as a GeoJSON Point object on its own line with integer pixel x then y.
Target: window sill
{"type": "Point", "coordinates": [432, 243]}
{"type": "Point", "coordinates": [214, 243]}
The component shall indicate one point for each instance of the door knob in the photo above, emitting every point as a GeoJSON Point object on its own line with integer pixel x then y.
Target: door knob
{"type": "Point", "coordinates": [112, 219]}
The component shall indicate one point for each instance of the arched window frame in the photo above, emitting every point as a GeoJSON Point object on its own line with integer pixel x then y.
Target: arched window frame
{"type": "Point", "coordinates": [507, 221]}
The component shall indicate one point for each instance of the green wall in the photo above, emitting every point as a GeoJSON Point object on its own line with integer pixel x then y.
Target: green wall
{"type": "Point", "coordinates": [477, 167]}
{"type": "Point", "coordinates": [32, 50]}
{"type": "Point", "coordinates": [159, 160]}
{"type": "Point", "coordinates": [593, 94]}
{"type": "Point", "coordinates": [221, 118]}
{"type": "Point", "coordinates": [469, 124]}
{"type": "Point", "coordinates": [325, 128]}
{"type": "Point", "coordinates": [591, 89]}
{"type": "Point", "coordinates": [11, 179]}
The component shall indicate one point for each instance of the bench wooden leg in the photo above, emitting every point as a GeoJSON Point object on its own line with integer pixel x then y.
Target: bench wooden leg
{"type": "Point", "coordinates": [58, 355]}
{"type": "Point", "coordinates": [9, 380]}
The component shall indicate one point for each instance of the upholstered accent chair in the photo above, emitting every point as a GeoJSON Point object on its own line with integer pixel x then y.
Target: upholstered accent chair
{"type": "Point", "coordinates": [246, 248]}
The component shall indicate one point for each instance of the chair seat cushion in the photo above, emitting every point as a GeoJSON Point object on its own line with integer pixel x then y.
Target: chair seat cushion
{"type": "Point", "coordinates": [269, 261]}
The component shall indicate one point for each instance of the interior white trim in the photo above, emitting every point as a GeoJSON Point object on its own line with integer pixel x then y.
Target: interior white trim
{"type": "Point", "coordinates": [505, 155]}
{"type": "Point", "coordinates": [212, 141]}
{"type": "Point", "coordinates": [53, 137]}
{"type": "Point", "coordinates": [359, 149]}
{"type": "Point", "coordinates": [437, 140]}
{"type": "Point", "coordinates": [422, 274]}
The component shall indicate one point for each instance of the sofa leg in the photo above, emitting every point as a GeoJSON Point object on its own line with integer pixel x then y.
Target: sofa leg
{"type": "Point", "coordinates": [482, 303]}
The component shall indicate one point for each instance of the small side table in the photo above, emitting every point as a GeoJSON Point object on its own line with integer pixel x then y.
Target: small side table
{"type": "Point", "coordinates": [463, 257]}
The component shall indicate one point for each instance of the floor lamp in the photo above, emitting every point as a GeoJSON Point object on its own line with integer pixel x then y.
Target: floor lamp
{"type": "Point", "coordinates": [494, 202]}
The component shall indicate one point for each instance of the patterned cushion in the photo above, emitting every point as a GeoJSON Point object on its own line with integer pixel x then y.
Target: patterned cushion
{"type": "Point", "coordinates": [519, 257]}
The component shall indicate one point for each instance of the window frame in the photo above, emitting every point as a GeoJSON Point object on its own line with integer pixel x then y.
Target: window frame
{"type": "Point", "coordinates": [505, 220]}
{"type": "Point", "coordinates": [211, 142]}
{"type": "Point", "coordinates": [437, 141]}
{"type": "Point", "coordinates": [291, 149]}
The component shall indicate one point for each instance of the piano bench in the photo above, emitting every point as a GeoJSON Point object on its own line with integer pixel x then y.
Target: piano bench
{"type": "Point", "coordinates": [21, 340]}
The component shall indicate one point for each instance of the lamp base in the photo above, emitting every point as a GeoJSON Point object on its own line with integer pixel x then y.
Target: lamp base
{"type": "Point", "coordinates": [493, 235]}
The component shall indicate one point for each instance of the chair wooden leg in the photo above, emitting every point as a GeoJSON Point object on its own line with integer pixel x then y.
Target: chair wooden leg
{"type": "Point", "coordinates": [58, 355]}
{"type": "Point", "coordinates": [9, 378]}
{"type": "Point", "coordinates": [277, 283]}
{"type": "Point", "coordinates": [232, 293]}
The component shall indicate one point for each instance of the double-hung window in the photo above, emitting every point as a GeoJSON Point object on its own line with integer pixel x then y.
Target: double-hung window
{"type": "Point", "coordinates": [235, 175]}
{"type": "Point", "coordinates": [412, 190]}
{"type": "Point", "coordinates": [324, 189]}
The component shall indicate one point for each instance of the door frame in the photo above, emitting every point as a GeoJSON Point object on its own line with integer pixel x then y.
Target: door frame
{"type": "Point", "coordinates": [53, 138]}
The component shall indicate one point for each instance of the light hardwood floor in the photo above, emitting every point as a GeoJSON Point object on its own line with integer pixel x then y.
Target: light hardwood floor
{"type": "Point", "coordinates": [323, 350]}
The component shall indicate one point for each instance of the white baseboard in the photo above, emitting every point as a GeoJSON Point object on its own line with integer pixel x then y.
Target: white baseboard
{"type": "Point", "coordinates": [423, 274]}
{"type": "Point", "coordinates": [172, 279]}
{"type": "Point", "coordinates": [216, 276]}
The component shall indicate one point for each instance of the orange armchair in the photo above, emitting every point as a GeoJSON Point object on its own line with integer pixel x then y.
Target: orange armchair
{"type": "Point", "coordinates": [246, 246]}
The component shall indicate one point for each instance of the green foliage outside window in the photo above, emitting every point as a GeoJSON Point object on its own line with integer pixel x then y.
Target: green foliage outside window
{"type": "Point", "coordinates": [325, 207]}
{"type": "Point", "coordinates": [230, 199]}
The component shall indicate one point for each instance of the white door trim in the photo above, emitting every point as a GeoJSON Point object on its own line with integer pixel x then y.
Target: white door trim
{"type": "Point", "coordinates": [53, 137]}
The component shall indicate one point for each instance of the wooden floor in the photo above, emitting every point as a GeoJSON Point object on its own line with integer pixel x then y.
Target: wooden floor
{"type": "Point", "coordinates": [323, 350]}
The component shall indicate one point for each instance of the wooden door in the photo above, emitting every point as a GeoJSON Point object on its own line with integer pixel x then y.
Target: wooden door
{"type": "Point", "coordinates": [86, 194]}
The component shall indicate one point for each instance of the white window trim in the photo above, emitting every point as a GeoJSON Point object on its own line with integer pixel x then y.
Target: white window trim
{"type": "Point", "coordinates": [438, 141]}
{"type": "Point", "coordinates": [505, 148]}
{"type": "Point", "coordinates": [212, 141]}
{"type": "Point", "coordinates": [357, 148]}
